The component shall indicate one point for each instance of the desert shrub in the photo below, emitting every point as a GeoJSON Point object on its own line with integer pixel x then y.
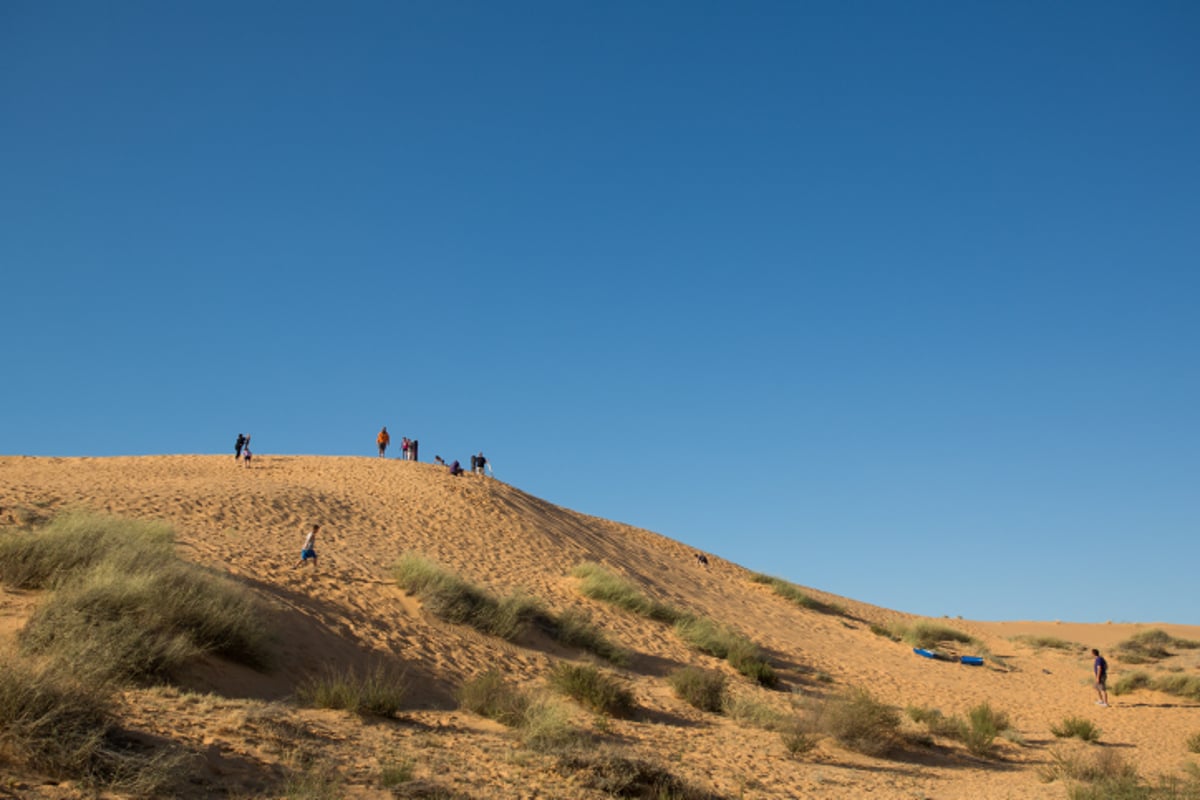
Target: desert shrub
{"type": "Point", "coordinates": [933, 719]}
{"type": "Point", "coordinates": [575, 629]}
{"type": "Point", "coordinates": [75, 542]}
{"type": "Point", "coordinates": [861, 723]}
{"type": "Point", "coordinates": [617, 776]}
{"type": "Point", "coordinates": [717, 640]}
{"type": "Point", "coordinates": [928, 635]}
{"type": "Point", "coordinates": [545, 726]}
{"type": "Point", "coordinates": [489, 695]}
{"type": "Point", "coordinates": [981, 727]}
{"type": "Point", "coordinates": [792, 592]}
{"type": "Point", "coordinates": [1049, 643]}
{"type": "Point", "coordinates": [131, 619]}
{"type": "Point", "coordinates": [1131, 682]}
{"type": "Point", "coordinates": [56, 725]}
{"type": "Point", "coordinates": [599, 584]}
{"type": "Point", "coordinates": [449, 597]}
{"type": "Point", "coordinates": [1151, 645]}
{"type": "Point", "coordinates": [884, 631]}
{"type": "Point", "coordinates": [1193, 743]}
{"type": "Point", "coordinates": [1076, 727]}
{"type": "Point", "coordinates": [799, 738]}
{"type": "Point", "coordinates": [592, 688]}
{"type": "Point", "coordinates": [395, 770]}
{"type": "Point", "coordinates": [701, 688]}
{"type": "Point", "coordinates": [751, 711]}
{"type": "Point", "coordinates": [379, 691]}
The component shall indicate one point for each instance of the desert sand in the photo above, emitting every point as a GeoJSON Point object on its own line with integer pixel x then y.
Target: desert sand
{"type": "Point", "coordinates": [250, 523]}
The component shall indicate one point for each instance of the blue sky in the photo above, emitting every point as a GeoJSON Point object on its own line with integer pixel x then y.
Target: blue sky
{"type": "Point", "coordinates": [896, 300]}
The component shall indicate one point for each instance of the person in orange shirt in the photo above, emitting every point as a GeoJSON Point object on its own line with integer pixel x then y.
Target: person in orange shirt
{"type": "Point", "coordinates": [382, 440]}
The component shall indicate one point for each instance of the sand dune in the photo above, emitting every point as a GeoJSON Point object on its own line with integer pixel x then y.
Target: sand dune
{"type": "Point", "coordinates": [250, 523]}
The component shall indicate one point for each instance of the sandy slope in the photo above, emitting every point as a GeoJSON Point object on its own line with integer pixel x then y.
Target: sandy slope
{"type": "Point", "coordinates": [250, 523]}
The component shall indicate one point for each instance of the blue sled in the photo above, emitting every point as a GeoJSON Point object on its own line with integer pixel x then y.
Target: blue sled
{"type": "Point", "coordinates": [924, 653]}
{"type": "Point", "coordinates": [974, 661]}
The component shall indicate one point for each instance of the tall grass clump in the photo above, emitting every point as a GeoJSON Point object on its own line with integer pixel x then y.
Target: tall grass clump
{"type": "Point", "coordinates": [1078, 728]}
{"type": "Point", "coordinates": [722, 642]}
{"type": "Point", "coordinates": [575, 629]}
{"type": "Point", "coordinates": [75, 542]}
{"type": "Point", "coordinates": [449, 597]}
{"type": "Point", "coordinates": [861, 723]}
{"type": "Point", "coordinates": [129, 609]}
{"type": "Point", "coordinates": [489, 695]}
{"type": "Point", "coordinates": [55, 725]}
{"type": "Point", "coordinates": [378, 691]}
{"type": "Point", "coordinates": [1049, 643]}
{"type": "Point", "coordinates": [1179, 685]}
{"type": "Point", "coordinates": [701, 688]}
{"type": "Point", "coordinates": [1193, 743]}
{"type": "Point", "coordinates": [980, 729]}
{"type": "Point", "coordinates": [928, 635]}
{"type": "Point", "coordinates": [592, 688]}
{"type": "Point", "coordinates": [598, 583]}
{"type": "Point", "coordinates": [615, 775]}
{"type": "Point", "coordinates": [792, 592]}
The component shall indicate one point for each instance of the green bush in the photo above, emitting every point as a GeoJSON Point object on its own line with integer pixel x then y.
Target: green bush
{"type": "Point", "coordinates": [379, 691]}
{"type": "Point", "coordinates": [795, 594]}
{"type": "Point", "coordinates": [546, 726]}
{"type": "Point", "coordinates": [981, 727]}
{"type": "Point", "coordinates": [449, 597]}
{"type": "Point", "coordinates": [124, 606]}
{"type": "Point", "coordinates": [490, 696]}
{"type": "Point", "coordinates": [1076, 727]}
{"type": "Point", "coordinates": [717, 640]}
{"type": "Point", "coordinates": [928, 635]}
{"type": "Point", "coordinates": [704, 689]}
{"type": "Point", "coordinates": [861, 723]}
{"type": "Point", "coordinates": [75, 542]}
{"type": "Point", "coordinates": [592, 688]}
{"type": "Point", "coordinates": [575, 629]}
{"type": "Point", "coordinates": [54, 724]}
{"type": "Point", "coordinates": [1049, 643]}
{"type": "Point", "coordinates": [1180, 685]}
{"type": "Point", "coordinates": [614, 775]}
{"type": "Point", "coordinates": [599, 584]}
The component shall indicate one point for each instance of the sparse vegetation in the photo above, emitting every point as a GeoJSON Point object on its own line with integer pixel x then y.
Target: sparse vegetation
{"type": "Point", "coordinates": [795, 594]}
{"type": "Point", "coordinates": [1193, 743]}
{"type": "Point", "coordinates": [489, 695]}
{"type": "Point", "coordinates": [58, 726]}
{"type": "Point", "coordinates": [717, 640]}
{"type": "Point", "coordinates": [1150, 646]}
{"type": "Point", "coordinates": [453, 599]}
{"type": "Point", "coordinates": [861, 723]}
{"type": "Point", "coordinates": [379, 691]}
{"type": "Point", "coordinates": [1076, 727]}
{"type": "Point", "coordinates": [702, 688]}
{"type": "Point", "coordinates": [592, 688]}
{"type": "Point", "coordinates": [618, 776]}
{"type": "Point", "coordinates": [598, 583]}
{"type": "Point", "coordinates": [751, 711]}
{"type": "Point", "coordinates": [395, 770]}
{"type": "Point", "coordinates": [980, 729]}
{"type": "Point", "coordinates": [124, 606]}
{"type": "Point", "coordinates": [1179, 685]}
{"type": "Point", "coordinates": [575, 629]}
{"type": "Point", "coordinates": [927, 635]}
{"type": "Point", "coordinates": [1105, 774]}
{"type": "Point", "coordinates": [1049, 643]}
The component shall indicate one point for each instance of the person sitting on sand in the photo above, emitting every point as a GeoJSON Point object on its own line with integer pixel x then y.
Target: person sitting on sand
{"type": "Point", "coordinates": [455, 469]}
{"type": "Point", "coordinates": [309, 550]}
{"type": "Point", "coordinates": [382, 440]}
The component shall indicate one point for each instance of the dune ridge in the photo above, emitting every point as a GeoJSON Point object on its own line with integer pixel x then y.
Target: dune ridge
{"type": "Point", "coordinates": [250, 523]}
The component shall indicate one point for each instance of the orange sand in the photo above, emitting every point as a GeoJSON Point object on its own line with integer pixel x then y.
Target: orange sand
{"type": "Point", "coordinates": [251, 523]}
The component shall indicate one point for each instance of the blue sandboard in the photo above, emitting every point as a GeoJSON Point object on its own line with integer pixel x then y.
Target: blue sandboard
{"type": "Point", "coordinates": [925, 653]}
{"type": "Point", "coordinates": [974, 661]}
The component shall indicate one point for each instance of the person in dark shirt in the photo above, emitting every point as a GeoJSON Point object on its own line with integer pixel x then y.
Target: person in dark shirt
{"type": "Point", "coordinates": [1100, 672]}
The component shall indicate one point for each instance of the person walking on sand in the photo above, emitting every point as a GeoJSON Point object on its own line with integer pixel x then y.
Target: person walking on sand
{"type": "Point", "coordinates": [1100, 672]}
{"type": "Point", "coordinates": [237, 447]}
{"type": "Point", "coordinates": [309, 550]}
{"type": "Point", "coordinates": [382, 440]}
{"type": "Point", "coordinates": [404, 445]}
{"type": "Point", "coordinates": [246, 452]}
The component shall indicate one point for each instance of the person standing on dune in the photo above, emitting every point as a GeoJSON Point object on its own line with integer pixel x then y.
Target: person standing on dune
{"type": "Point", "coordinates": [1100, 673]}
{"type": "Point", "coordinates": [238, 445]}
{"type": "Point", "coordinates": [382, 440]}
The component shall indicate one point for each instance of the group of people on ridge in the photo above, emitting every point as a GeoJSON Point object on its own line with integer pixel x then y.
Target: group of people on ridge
{"type": "Point", "coordinates": [408, 447]}
{"type": "Point", "coordinates": [241, 449]}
